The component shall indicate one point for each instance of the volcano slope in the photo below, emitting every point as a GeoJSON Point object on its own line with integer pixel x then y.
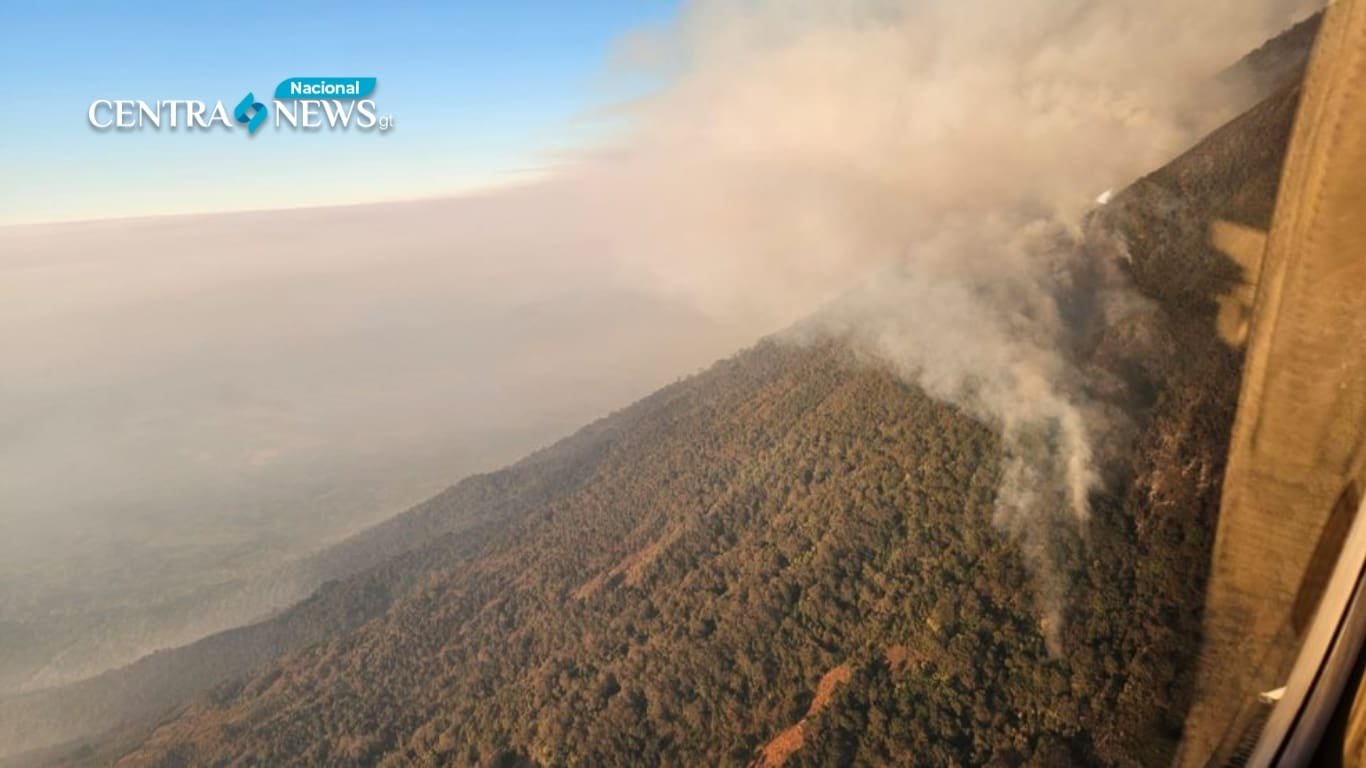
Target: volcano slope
{"type": "Point", "coordinates": [793, 521]}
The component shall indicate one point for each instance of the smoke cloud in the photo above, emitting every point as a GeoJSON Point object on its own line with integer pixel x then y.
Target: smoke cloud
{"type": "Point", "coordinates": [923, 170]}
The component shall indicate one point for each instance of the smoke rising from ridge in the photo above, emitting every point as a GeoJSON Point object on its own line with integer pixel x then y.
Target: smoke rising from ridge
{"type": "Point", "coordinates": [923, 170]}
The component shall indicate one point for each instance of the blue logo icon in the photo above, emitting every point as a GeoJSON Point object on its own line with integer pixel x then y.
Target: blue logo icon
{"type": "Point", "coordinates": [250, 112]}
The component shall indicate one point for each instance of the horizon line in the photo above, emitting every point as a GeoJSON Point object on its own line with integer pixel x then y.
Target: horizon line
{"type": "Point", "coordinates": [512, 179]}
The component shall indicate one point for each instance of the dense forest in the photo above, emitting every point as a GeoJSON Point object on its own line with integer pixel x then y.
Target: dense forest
{"type": "Point", "coordinates": [786, 559]}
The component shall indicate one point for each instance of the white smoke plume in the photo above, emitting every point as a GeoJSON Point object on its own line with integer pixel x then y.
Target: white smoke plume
{"type": "Point", "coordinates": [930, 162]}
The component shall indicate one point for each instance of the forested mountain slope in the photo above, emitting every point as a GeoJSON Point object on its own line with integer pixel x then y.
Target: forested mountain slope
{"type": "Point", "coordinates": [792, 516]}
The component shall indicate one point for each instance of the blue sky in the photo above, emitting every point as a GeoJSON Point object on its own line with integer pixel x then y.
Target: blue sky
{"type": "Point", "coordinates": [481, 92]}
